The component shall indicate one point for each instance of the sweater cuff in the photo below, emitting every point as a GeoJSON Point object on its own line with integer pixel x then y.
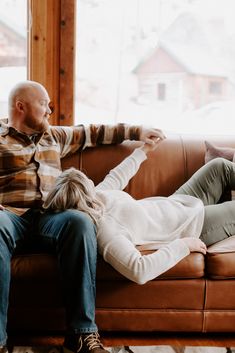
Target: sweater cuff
{"type": "Point", "coordinates": [139, 154]}
{"type": "Point", "coordinates": [180, 249]}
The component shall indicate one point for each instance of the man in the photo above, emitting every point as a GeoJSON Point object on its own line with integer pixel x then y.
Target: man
{"type": "Point", "coordinates": [30, 154]}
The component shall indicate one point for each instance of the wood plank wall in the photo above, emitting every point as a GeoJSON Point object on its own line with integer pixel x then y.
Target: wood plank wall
{"type": "Point", "coordinates": [67, 61]}
{"type": "Point", "coordinates": [51, 42]}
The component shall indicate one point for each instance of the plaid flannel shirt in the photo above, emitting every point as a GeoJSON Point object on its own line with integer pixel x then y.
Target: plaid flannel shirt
{"type": "Point", "coordinates": [28, 170]}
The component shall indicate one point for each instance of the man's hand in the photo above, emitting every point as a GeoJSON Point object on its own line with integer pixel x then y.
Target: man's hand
{"type": "Point", "coordinates": [2, 207]}
{"type": "Point", "coordinates": [147, 135]}
{"type": "Point", "coordinates": [195, 244]}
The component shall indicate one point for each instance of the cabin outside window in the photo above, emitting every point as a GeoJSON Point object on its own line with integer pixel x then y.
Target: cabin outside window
{"type": "Point", "coordinates": [126, 49]}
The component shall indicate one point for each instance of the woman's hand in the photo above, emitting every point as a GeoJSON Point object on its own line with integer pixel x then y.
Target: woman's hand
{"type": "Point", "coordinates": [2, 207]}
{"type": "Point", "coordinates": [152, 144]}
{"type": "Point", "coordinates": [195, 244]}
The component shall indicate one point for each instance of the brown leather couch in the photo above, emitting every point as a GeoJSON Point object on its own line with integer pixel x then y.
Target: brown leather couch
{"type": "Point", "coordinates": [197, 295]}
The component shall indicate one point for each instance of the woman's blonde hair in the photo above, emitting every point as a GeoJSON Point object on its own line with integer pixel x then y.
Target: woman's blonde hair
{"type": "Point", "coordinates": [74, 190]}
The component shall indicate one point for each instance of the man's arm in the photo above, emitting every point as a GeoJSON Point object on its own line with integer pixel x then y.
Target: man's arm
{"type": "Point", "coordinates": [75, 138]}
{"type": "Point", "coordinates": [113, 134]}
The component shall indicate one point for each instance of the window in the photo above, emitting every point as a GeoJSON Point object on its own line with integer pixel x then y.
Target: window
{"type": "Point", "coordinates": [13, 47]}
{"type": "Point", "coordinates": [128, 53]}
{"type": "Point", "coordinates": [161, 91]}
{"type": "Point", "coordinates": [215, 87]}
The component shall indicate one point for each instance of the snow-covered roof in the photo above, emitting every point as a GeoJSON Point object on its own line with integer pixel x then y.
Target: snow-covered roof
{"type": "Point", "coordinates": [188, 43]}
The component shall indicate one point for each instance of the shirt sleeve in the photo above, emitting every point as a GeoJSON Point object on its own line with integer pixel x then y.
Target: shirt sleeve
{"type": "Point", "coordinates": [110, 134]}
{"type": "Point", "coordinates": [118, 178]}
{"type": "Point", "coordinates": [121, 253]}
{"type": "Point", "coordinates": [75, 138]}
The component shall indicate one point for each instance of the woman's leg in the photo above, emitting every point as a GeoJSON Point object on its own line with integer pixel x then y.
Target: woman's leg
{"type": "Point", "coordinates": [208, 184]}
{"type": "Point", "coordinates": [210, 181]}
{"type": "Point", "coordinates": [219, 222]}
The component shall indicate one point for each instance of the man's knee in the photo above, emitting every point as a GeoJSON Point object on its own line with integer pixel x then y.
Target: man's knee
{"type": "Point", "coordinates": [5, 219]}
{"type": "Point", "coordinates": [79, 226]}
{"type": "Point", "coordinates": [80, 220]}
{"type": "Point", "coordinates": [6, 231]}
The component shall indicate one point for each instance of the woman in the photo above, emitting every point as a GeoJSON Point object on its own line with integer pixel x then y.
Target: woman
{"type": "Point", "coordinates": [175, 222]}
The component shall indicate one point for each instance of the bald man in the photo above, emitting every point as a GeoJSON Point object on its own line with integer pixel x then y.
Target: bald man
{"type": "Point", "coordinates": [28, 107]}
{"type": "Point", "coordinates": [30, 160]}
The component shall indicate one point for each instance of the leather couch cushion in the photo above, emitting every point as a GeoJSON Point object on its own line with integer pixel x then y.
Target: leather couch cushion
{"type": "Point", "coordinates": [38, 268]}
{"type": "Point", "coordinates": [162, 294]}
{"type": "Point", "coordinates": [220, 295]}
{"type": "Point", "coordinates": [220, 260]}
{"type": "Point", "coordinates": [190, 267]}
{"type": "Point", "coordinates": [221, 265]}
{"type": "Point", "coordinates": [35, 281]}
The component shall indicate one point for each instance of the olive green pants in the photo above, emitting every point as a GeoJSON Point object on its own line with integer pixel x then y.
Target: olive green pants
{"type": "Point", "coordinates": [208, 184]}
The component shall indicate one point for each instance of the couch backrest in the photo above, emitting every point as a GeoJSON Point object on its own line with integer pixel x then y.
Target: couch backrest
{"type": "Point", "coordinates": [168, 167]}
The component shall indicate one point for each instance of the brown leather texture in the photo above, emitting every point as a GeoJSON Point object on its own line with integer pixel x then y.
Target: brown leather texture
{"type": "Point", "coordinates": [220, 295]}
{"type": "Point", "coordinates": [162, 294]}
{"type": "Point", "coordinates": [219, 321]}
{"type": "Point", "coordinates": [150, 320]}
{"type": "Point", "coordinates": [192, 266]}
{"type": "Point", "coordinates": [197, 295]}
{"type": "Point", "coordinates": [221, 265]}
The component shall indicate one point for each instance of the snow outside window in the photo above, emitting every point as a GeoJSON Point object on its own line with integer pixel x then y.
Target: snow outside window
{"type": "Point", "coordinates": [128, 50]}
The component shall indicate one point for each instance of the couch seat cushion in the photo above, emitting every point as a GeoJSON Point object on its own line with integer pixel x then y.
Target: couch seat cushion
{"type": "Point", "coordinates": [220, 265]}
{"type": "Point", "coordinates": [220, 259]}
{"type": "Point", "coordinates": [35, 281]}
{"type": "Point", "coordinates": [191, 266]}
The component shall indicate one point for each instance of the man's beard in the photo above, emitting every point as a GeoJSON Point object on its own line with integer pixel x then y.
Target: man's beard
{"type": "Point", "coordinates": [36, 126]}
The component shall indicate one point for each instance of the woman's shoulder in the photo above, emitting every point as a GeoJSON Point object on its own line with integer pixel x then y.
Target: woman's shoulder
{"type": "Point", "coordinates": [105, 226]}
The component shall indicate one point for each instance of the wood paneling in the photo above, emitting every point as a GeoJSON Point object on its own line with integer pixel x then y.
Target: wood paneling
{"type": "Point", "coordinates": [67, 61]}
{"type": "Point", "coordinates": [44, 48]}
{"type": "Point", "coordinates": [51, 53]}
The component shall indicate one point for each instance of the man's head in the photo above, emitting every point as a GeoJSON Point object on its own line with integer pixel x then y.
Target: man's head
{"type": "Point", "coordinates": [29, 107]}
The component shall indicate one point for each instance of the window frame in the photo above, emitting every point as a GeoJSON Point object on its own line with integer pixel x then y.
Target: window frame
{"type": "Point", "coordinates": [51, 55]}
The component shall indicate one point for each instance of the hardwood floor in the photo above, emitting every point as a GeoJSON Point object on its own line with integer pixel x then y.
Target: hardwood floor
{"type": "Point", "coordinates": [177, 343]}
{"type": "Point", "coordinates": [136, 349]}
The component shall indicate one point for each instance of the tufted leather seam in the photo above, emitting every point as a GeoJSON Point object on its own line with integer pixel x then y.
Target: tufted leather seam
{"type": "Point", "coordinates": [204, 308]}
{"type": "Point", "coordinates": [80, 160]}
{"type": "Point", "coordinates": [184, 158]}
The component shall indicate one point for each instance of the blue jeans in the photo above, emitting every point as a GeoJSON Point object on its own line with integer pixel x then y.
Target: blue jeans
{"type": "Point", "coordinates": [72, 235]}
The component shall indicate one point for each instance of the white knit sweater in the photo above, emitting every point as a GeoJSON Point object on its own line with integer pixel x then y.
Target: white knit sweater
{"type": "Point", "coordinates": [128, 222]}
